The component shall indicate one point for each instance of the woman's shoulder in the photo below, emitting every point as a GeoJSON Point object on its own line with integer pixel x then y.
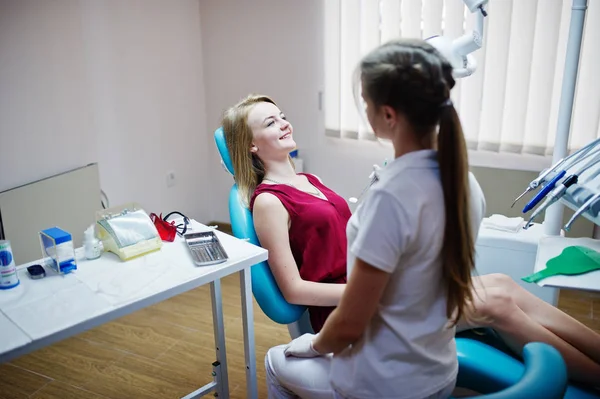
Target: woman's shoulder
{"type": "Point", "coordinates": [266, 199]}
{"type": "Point", "coordinates": [268, 196]}
{"type": "Point", "coordinates": [263, 195]}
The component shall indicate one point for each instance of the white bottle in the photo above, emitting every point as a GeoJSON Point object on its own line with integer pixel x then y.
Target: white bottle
{"type": "Point", "coordinates": [8, 270]}
{"type": "Point", "coordinates": [92, 246]}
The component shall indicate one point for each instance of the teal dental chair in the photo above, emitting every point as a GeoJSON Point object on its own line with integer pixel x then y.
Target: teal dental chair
{"type": "Point", "coordinates": [482, 367]}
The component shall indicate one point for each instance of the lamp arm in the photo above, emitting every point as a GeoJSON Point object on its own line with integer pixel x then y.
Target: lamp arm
{"type": "Point", "coordinates": [458, 51]}
{"type": "Point", "coordinates": [469, 43]}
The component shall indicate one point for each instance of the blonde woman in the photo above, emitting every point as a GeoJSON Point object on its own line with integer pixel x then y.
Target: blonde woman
{"type": "Point", "coordinates": [298, 219]}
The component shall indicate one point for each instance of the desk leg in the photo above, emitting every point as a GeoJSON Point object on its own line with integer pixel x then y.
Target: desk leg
{"type": "Point", "coordinates": [248, 320]}
{"type": "Point", "coordinates": [219, 333]}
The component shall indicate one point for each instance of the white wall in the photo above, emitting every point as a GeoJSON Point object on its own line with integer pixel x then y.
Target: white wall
{"type": "Point", "coordinates": [266, 46]}
{"type": "Point", "coordinates": [45, 118]}
{"type": "Point", "coordinates": [118, 83]}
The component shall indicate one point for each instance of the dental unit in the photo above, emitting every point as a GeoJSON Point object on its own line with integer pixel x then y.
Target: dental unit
{"type": "Point", "coordinates": [554, 196]}
{"type": "Point", "coordinates": [541, 179]}
{"type": "Point", "coordinates": [587, 155]}
{"type": "Point", "coordinates": [569, 161]}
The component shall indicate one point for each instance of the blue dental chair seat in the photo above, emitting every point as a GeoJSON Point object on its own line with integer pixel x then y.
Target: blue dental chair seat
{"type": "Point", "coordinates": [482, 367]}
{"type": "Point", "coordinates": [498, 376]}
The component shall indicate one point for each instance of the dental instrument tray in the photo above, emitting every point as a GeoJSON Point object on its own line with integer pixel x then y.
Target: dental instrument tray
{"type": "Point", "coordinates": [206, 248]}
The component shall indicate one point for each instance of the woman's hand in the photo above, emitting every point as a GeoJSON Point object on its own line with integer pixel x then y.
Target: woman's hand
{"type": "Point", "coordinates": [302, 347]}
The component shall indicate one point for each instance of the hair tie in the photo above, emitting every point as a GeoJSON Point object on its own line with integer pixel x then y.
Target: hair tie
{"type": "Point", "coordinates": [447, 103]}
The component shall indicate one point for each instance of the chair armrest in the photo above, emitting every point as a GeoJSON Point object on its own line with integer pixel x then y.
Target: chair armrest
{"type": "Point", "coordinates": [489, 371]}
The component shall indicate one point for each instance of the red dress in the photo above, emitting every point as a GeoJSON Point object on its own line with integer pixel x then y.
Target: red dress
{"type": "Point", "coordinates": [317, 235]}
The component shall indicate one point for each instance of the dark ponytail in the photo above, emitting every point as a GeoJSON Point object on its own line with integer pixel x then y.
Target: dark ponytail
{"type": "Point", "coordinates": [412, 77]}
{"type": "Point", "coordinates": [458, 250]}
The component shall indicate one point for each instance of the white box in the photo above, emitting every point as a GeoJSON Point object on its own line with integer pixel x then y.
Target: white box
{"type": "Point", "coordinates": [513, 254]}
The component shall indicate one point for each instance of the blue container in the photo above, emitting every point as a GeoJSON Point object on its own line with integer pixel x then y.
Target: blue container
{"type": "Point", "coordinates": [57, 244]}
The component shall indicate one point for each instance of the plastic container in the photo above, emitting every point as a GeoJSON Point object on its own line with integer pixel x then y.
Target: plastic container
{"type": "Point", "coordinates": [513, 254]}
{"type": "Point", "coordinates": [57, 245]}
{"type": "Point", "coordinates": [92, 246]}
{"type": "Point", "coordinates": [8, 269]}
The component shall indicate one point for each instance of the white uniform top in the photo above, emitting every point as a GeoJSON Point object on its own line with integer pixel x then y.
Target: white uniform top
{"type": "Point", "coordinates": [406, 350]}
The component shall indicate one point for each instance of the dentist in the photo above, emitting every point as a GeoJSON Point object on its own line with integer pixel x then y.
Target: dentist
{"type": "Point", "coordinates": [410, 248]}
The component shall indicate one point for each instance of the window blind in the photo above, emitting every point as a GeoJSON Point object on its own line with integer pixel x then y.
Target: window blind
{"type": "Point", "coordinates": [510, 104]}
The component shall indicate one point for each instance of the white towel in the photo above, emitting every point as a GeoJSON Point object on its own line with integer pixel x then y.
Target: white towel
{"type": "Point", "coordinates": [503, 223]}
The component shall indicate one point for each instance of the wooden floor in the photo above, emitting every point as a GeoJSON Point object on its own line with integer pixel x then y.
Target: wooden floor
{"type": "Point", "coordinates": [165, 351]}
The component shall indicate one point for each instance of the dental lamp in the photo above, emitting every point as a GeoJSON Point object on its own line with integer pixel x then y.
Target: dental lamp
{"type": "Point", "coordinates": [458, 51]}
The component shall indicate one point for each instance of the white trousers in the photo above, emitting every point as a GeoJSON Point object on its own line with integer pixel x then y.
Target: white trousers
{"type": "Point", "coordinates": [308, 378]}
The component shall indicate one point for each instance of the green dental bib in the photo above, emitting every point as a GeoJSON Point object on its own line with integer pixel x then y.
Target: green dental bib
{"type": "Point", "coordinates": [573, 260]}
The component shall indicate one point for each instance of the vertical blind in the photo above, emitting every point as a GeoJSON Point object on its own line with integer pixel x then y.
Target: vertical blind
{"type": "Point", "coordinates": [511, 102]}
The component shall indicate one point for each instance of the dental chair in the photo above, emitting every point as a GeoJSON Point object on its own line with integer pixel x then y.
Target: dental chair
{"type": "Point", "coordinates": [482, 367]}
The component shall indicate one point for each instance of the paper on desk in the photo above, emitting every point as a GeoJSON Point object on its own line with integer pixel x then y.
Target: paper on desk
{"type": "Point", "coordinates": [551, 247]}
{"type": "Point", "coordinates": [59, 311]}
{"type": "Point", "coordinates": [117, 281]}
{"type": "Point", "coordinates": [34, 291]}
{"type": "Point", "coordinates": [120, 282]}
{"type": "Point", "coordinates": [12, 336]}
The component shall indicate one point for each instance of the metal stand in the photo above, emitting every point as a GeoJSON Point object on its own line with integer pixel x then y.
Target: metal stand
{"type": "Point", "coordinates": [554, 213]}
{"type": "Point", "coordinates": [248, 321]}
{"type": "Point", "coordinates": [220, 382]}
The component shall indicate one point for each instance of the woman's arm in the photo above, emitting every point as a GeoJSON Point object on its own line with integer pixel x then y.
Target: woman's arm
{"type": "Point", "coordinates": [271, 222]}
{"type": "Point", "coordinates": [349, 320]}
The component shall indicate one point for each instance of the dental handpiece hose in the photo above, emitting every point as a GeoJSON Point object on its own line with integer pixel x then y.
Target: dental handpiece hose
{"type": "Point", "coordinates": [566, 162]}
{"type": "Point", "coordinates": [588, 204]}
{"type": "Point", "coordinates": [542, 194]}
{"type": "Point", "coordinates": [590, 201]}
{"type": "Point", "coordinates": [534, 184]}
{"type": "Point", "coordinates": [557, 193]}
{"type": "Point", "coordinates": [588, 164]}
{"type": "Point", "coordinates": [572, 179]}
{"type": "Point", "coordinates": [580, 154]}
{"type": "Point", "coordinates": [554, 196]}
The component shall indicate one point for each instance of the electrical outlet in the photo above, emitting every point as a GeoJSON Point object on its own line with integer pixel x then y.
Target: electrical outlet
{"type": "Point", "coordinates": [171, 179]}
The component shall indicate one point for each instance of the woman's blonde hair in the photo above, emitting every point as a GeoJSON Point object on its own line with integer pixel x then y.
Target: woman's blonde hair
{"type": "Point", "coordinates": [414, 79]}
{"type": "Point", "coordinates": [248, 168]}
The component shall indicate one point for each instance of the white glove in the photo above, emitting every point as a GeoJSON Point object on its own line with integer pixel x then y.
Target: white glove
{"type": "Point", "coordinates": [375, 173]}
{"type": "Point", "coordinates": [373, 177]}
{"type": "Point", "coordinates": [301, 347]}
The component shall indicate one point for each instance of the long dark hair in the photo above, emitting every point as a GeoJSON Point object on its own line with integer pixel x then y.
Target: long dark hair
{"type": "Point", "coordinates": [412, 77]}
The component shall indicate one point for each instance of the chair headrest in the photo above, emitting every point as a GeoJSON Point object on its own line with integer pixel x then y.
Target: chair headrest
{"type": "Point", "coordinates": [223, 150]}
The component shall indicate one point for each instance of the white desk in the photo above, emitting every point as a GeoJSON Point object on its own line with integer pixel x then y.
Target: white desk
{"type": "Point", "coordinates": [550, 247]}
{"type": "Point", "coordinates": [40, 312]}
